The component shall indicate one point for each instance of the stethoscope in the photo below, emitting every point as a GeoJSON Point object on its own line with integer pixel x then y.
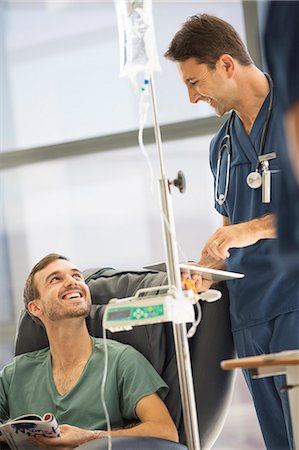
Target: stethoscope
{"type": "Point", "coordinates": [254, 179]}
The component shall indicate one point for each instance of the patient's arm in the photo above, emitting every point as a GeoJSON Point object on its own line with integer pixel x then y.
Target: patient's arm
{"type": "Point", "coordinates": [154, 417]}
{"type": "Point", "coordinates": [155, 420]}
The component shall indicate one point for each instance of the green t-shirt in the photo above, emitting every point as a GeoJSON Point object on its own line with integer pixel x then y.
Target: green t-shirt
{"type": "Point", "coordinates": [27, 387]}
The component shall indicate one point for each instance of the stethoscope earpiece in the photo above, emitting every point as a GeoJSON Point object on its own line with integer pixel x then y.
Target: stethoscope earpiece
{"type": "Point", "coordinates": [221, 199]}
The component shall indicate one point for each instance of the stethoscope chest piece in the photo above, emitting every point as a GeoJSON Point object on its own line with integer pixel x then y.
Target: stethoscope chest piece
{"type": "Point", "coordinates": [254, 180]}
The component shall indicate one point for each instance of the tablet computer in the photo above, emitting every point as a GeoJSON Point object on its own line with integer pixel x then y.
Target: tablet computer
{"type": "Point", "coordinates": [214, 275]}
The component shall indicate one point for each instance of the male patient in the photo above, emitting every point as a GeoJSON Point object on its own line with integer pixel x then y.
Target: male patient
{"type": "Point", "coordinates": [65, 379]}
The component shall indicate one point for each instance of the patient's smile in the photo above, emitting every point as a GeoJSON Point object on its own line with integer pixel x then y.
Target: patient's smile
{"type": "Point", "coordinates": [71, 295]}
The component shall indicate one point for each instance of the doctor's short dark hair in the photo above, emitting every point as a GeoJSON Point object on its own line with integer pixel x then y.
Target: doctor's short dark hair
{"type": "Point", "coordinates": [206, 38]}
{"type": "Point", "coordinates": [30, 289]}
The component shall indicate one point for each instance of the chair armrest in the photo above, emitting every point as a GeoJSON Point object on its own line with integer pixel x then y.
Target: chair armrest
{"type": "Point", "coordinates": [132, 443]}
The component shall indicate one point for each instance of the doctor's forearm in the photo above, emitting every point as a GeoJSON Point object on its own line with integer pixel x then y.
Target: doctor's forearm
{"type": "Point", "coordinates": [237, 235]}
{"type": "Point", "coordinates": [263, 227]}
{"type": "Point", "coordinates": [212, 263]}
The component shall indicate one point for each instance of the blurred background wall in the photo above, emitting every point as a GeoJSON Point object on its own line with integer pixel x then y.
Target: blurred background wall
{"type": "Point", "coordinates": [72, 177]}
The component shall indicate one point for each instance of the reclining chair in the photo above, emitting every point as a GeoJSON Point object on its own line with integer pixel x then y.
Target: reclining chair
{"type": "Point", "coordinates": [211, 343]}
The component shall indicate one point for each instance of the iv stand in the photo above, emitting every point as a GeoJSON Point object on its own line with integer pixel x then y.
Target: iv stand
{"type": "Point", "coordinates": [174, 278]}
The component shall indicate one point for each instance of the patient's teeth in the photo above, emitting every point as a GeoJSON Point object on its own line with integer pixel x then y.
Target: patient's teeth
{"type": "Point", "coordinates": [72, 295]}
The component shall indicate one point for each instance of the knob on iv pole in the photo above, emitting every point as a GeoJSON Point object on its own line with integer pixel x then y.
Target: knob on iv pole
{"type": "Point", "coordinates": [179, 182]}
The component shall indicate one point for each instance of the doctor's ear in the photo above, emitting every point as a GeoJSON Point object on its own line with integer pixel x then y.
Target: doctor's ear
{"type": "Point", "coordinates": [227, 63]}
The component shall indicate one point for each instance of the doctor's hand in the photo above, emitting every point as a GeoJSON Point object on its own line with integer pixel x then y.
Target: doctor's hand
{"type": "Point", "coordinates": [238, 236]}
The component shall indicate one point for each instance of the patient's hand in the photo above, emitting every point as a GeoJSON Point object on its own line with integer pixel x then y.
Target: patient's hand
{"type": "Point", "coordinates": [69, 438]}
{"type": "Point", "coordinates": [194, 281]}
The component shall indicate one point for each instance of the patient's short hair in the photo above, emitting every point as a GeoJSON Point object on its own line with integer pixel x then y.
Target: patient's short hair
{"type": "Point", "coordinates": [30, 289]}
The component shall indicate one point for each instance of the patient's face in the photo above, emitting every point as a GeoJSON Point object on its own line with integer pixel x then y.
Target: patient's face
{"type": "Point", "coordinates": [63, 291]}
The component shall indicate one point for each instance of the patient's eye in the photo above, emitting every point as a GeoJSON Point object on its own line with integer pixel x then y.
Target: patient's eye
{"type": "Point", "coordinates": [54, 279]}
{"type": "Point", "coordinates": [78, 276]}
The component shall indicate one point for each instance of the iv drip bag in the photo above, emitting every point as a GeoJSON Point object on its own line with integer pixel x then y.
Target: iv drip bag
{"type": "Point", "coordinates": [136, 37]}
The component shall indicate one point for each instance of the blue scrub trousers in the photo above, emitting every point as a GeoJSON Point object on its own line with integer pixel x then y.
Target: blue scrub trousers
{"type": "Point", "coordinates": [272, 408]}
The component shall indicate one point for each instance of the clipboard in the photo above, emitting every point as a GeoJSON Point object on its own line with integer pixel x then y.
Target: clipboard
{"type": "Point", "coordinates": [214, 275]}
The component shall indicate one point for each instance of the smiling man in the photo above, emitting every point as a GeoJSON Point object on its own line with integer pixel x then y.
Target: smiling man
{"type": "Point", "coordinates": [65, 379]}
{"type": "Point", "coordinates": [216, 68]}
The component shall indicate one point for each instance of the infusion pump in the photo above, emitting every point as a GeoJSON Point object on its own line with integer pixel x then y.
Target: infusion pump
{"type": "Point", "coordinates": [170, 306]}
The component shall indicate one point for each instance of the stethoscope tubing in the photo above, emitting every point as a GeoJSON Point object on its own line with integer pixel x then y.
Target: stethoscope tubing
{"type": "Point", "coordinates": [221, 198]}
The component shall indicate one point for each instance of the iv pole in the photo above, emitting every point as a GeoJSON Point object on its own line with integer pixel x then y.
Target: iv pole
{"type": "Point", "coordinates": [132, 35]}
{"type": "Point", "coordinates": [174, 279]}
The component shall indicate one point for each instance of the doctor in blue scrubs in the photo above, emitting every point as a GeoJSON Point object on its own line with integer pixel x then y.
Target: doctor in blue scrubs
{"type": "Point", "coordinates": [216, 68]}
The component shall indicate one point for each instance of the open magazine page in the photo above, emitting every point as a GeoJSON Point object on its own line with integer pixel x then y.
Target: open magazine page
{"type": "Point", "coordinates": [16, 432]}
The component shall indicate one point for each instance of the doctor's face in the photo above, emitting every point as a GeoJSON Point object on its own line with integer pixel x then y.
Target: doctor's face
{"type": "Point", "coordinates": [63, 292]}
{"type": "Point", "coordinates": [206, 84]}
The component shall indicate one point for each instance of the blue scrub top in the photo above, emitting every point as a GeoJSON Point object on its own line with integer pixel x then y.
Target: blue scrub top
{"type": "Point", "coordinates": [281, 38]}
{"type": "Point", "coordinates": [281, 42]}
{"type": "Point", "coordinates": [266, 291]}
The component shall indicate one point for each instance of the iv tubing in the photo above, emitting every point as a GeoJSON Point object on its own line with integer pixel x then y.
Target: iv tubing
{"type": "Point", "coordinates": [156, 127]}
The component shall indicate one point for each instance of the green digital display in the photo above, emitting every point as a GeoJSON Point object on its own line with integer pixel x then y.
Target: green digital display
{"type": "Point", "coordinates": [135, 312]}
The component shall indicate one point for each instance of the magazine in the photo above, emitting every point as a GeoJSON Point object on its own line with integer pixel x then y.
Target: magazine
{"type": "Point", "coordinates": [16, 432]}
